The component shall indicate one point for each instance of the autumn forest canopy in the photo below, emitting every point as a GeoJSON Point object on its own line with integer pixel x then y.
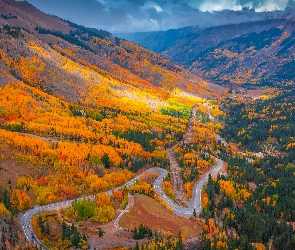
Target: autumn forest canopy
{"type": "Point", "coordinates": [83, 112]}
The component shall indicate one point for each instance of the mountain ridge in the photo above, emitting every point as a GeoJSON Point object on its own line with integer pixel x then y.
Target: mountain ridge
{"type": "Point", "coordinates": [158, 41]}
{"type": "Point", "coordinates": [226, 54]}
{"type": "Point", "coordinates": [248, 53]}
{"type": "Point", "coordinates": [131, 62]}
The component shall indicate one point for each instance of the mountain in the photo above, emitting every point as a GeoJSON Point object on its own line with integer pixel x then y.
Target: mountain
{"type": "Point", "coordinates": [247, 53]}
{"type": "Point", "coordinates": [81, 112]}
{"type": "Point", "coordinates": [158, 41]}
{"type": "Point", "coordinates": [60, 50]}
{"type": "Point", "coordinates": [137, 37]}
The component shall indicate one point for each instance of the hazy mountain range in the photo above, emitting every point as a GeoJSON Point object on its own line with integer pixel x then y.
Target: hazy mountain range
{"type": "Point", "coordinates": [252, 52]}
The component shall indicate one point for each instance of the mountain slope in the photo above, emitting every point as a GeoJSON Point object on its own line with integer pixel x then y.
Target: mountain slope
{"type": "Point", "coordinates": [81, 112]}
{"type": "Point", "coordinates": [159, 41]}
{"type": "Point", "coordinates": [53, 41]}
{"type": "Point", "coordinates": [259, 52]}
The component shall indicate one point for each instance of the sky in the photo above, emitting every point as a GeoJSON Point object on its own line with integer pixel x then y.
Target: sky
{"type": "Point", "coordinates": [120, 16]}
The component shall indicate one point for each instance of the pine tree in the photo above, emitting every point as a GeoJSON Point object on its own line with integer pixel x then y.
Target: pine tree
{"type": "Point", "coordinates": [75, 239]}
{"type": "Point", "coordinates": [194, 213]}
{"type": "Point", "coordinates": [41, 224]}
{"type": "Point", "coordinates": [106, 160]}
{"type": "Point", "coordinates": [141, 232]}
{"type": "Point", "coordinates": [6, 199]}
{"type": "Point", "coordinates": [135, 236]}
{"type": "Point", "coordinates": [68, 232]}
{"type": "Point", "coordinates": [73, 229]}
{"type": "Point", "coordinates": [63, 230]}
{"type": "Point", "coordinates": [47, 228]}
{"type": "Point", "coordinates": [179, 245]}
{"type": "Point", "coordinates": [100, 232]}
{"type": "Point", "coordinates": [84, 237]}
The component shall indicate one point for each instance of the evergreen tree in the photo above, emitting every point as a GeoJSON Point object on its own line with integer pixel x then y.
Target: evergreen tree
{"type": "Point", "coordinates": [47, 228]}
{"type": "Point", "coordinates": [63, 230]}
{"type": "Point", "coordinates": [106, 160]}
{"type": "Point", "coordinates": [179, 244]}
{"type": "Point", "coordinates": [194, 213]}
{"type": "Point", "coordinates": [137, 246]}
{"type": "Point", "coordinates": [135, 236]}
{"type": "Point", "coordinates": [75, 239]}
{"type": "Point", "coordinates": [41, 224]}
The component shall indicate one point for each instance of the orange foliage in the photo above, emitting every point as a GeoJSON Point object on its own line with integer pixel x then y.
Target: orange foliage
{"type": "Point", "coordinates": [142, 187]}
{"type": "Point", "coordinates": [20, 200]}
{"type": "Point", "coordinates": [24, 143]}
{"type": "Point", "coordinates": [236, 192]}
{"type": "Point", "coordinates": [216, 112]}
{"type": "Point", "coordinates": [72, 153]}
{"type": "Point", "coordinates": [103, 199]}
{"type": "Point", "coordinates": [149, 177]}
{"type": "Point", "coordinates": [168, 189]}
{"type": "Point", "coordinates": [188, 189]}
{"type": "Point", "coordinates": [205, 199]}
{"type": "Point", "coordinates": [4, 212]}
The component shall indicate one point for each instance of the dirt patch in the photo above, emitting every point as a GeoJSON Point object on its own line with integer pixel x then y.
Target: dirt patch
{"type": "Point", "coordinates": [11, 170]}
{"type": "Point", "coordinates": [177, 181]}
{"type": "Point", "coordinates": [149, 212]}
{"type": "Point", "coordinates": [187, 137]}
{"type": "Point", "coordinates": [252, 186]}
{"type": "Point", "coordinates": [112, 237]}
{"type": "Point", "coordinates": [175, 169]}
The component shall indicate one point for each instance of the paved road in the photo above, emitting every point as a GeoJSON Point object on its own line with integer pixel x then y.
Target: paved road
{"type": "Point", "coordinates": [218, 138]}
{"type": "Point", "coordinates": [195, 201]}
{"type": "Point", "coordinates": [129, 205]}
{"type": "Point", "coordinates": [193, 204]}
{"type": "Point", "coordinates": [26, 217]}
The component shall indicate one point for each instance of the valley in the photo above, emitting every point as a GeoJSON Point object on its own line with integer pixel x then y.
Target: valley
{"type": "Point", "coordinates": [105, 144]}
{"type": "Point", "coordinates": [192, 206]}
{"type": "Point", "coordinates": [251, 53]}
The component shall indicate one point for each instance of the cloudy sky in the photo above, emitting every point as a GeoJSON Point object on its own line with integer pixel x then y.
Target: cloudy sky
{"type": "Point", "coordinates": [150, 15]}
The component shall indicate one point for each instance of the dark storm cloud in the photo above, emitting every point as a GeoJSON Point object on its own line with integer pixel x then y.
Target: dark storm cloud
{"type": "Point", "coordinates": [147, 15]}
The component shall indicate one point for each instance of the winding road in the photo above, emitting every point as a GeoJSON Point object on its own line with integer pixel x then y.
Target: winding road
{"type": "Point", "coordinates": [193, 204]}
{"type": "Point", "coordinates": [195, 201]}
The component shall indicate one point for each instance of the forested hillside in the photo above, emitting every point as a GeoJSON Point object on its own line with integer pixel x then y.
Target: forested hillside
{"type": "Point", "coordinates": [81, 112]}
{"type": "Point", "coordinates": [247, 53]}
{"type": "Point", "coordinates": [253, 207]}
{"type": "Point", "coordinates": [263, 125]}
{"type": "Point", "coordinates": [101, 54]}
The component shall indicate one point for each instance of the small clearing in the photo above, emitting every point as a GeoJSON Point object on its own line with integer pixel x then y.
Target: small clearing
{"type": "Point", "coordinates": [153, 215]}
{"type": "Point", "coordinates": [175, 169]}
{"type": "Point", "coordinates": [177, 181]}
